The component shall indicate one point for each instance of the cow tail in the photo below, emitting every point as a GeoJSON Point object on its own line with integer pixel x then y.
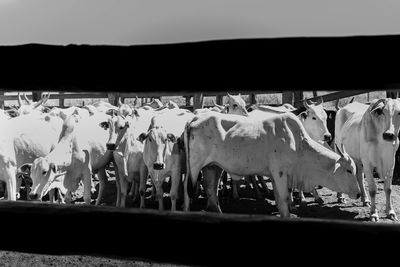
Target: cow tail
{"type": "Point", "coordinates": [187, 151]}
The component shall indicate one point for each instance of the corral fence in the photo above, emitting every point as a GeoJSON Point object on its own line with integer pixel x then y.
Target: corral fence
{"type": "Point", "coordinates": [192, 100]}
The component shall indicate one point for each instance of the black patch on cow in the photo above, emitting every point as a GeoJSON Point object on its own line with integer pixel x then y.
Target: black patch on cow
{"type": "Point", "coordinates": [104, 125]}
{"type": "Point", "coordinates": [142, 137]}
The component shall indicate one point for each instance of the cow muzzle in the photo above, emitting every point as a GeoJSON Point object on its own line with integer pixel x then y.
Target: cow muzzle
{"type": "Point", "coordinates": [111, 146]}
{"type": "Point", "coordinates": [388, 136]}
{"type": "Point", "coordinates": [158, 166]}
{"type": "Point", "coordinates": [327, 137]}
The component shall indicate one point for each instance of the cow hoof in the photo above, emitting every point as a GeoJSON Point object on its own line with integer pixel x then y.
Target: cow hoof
{"type": "Point", "coordinates": [374, 218]}
{"type": "Point", "coordinates": [341, 200]}
{"type": "Point", "coordinates": [319, 201]}
{"type": "Point", "coordinates": [392, 216]}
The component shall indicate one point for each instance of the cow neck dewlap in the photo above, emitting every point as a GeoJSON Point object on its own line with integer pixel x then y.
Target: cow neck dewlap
{"type": "Point", "coordinates": [315, 164]}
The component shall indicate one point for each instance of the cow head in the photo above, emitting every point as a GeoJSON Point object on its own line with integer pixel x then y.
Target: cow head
{"type": "Point", "coordinates": [236, 105]}
{"type": "Point", "coordinates": [155, 104]}
{"type": "Point", "coordinates": [117, 127]}
{"type": "Point", "coordinates": [43, 173]}
{"type": "Point", "coordinates": [172, 105]}
{"type": "Point", "coordinates": [381, 121]}
{"type": "Point", "coordinates": [124, 109]}
{"type": "Point", "coordinates": [314, 121]}
{"type": "Point", "coordinates": [158, 145]}
{"type": "Point", "coordinates": [30, 106]}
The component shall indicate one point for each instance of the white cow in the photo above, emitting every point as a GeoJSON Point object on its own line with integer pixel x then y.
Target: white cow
{"type": "Point", "coordinates": [80, 152]}
{"type": "Point", "coordinates": [128, 152]}
{"type": "Point", "coordinates": [162, 154]}
{"type": "Point", "coordinates": [30, 106]}
{"type": "Point", "coordinates": [369, 134]}
{"type": "Point", "coordinates": [30, 136]}
{"type": "Point", "coordinates": [275, 145]}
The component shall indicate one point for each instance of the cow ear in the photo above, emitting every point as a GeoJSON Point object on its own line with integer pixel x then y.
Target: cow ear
{"type": "Point", "coordinates": [142, 137]}
{"type": "Point", "coordinates": [104, 125]}
{"type": "Point", "coordinates": [171, 137]}
{"type": "Point", "coordinates": [303, 115]}
{"type": "Point", "coordinates": [25, 168]}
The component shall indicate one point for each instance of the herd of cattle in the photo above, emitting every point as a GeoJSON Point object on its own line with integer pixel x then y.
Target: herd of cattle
{"type": "Point", "coordinates": [54, 150]}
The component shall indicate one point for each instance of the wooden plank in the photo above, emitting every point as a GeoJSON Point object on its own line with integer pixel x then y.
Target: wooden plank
{"type": "Point", "coordinates": [36, 95]}
{"type": "Point", "coordinates": [338, 95]}
{"type": "Point", "coordinates": [101, 230]}
{"type": "Point", "coordinates": [113, 98]}
{"type": "Point", "coordinates": [198, 101]}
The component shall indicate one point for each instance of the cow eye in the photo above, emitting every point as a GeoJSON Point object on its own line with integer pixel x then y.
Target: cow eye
{"type": "Point", "coordinates": [313, 118]}
{"type": "Point", "coordinates": [121, 127]}
{"type": "Point", "coordinates": [234, 106]}
{"type": "Point", "coordinates": [349, 171]}
{"type": "Point", "coordinates": [44, 173]}
{"type": "Point", "coordinates": [379, 111]}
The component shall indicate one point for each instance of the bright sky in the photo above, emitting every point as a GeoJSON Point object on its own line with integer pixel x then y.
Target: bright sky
{"type": "Point", "coordinates": [127, 22]}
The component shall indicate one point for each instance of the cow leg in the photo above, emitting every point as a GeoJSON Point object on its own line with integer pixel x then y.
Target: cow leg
{"type": "Point", "coordinates": [316, 196]}
{"type": "Point", "coordinates": [391, 214]}
{"type": "Point", "coordinates": [160, 196]}
{"type": "Point", "coordinates": [117, 183]}
{"type": "Point", "coordinates": [102, 183]}
{"type": "Point", "coordinates": [263, 184]}
{"type": "Point", "coordinates": [302, 198]}
{"type": "Point", "coordinates": [60, 197]}
{"type": "Point", "coordinates": [235, 186]}
{"type": "Point", "coordinates": [259, 196]}
{"type": "Point", "coordinates": [142, 185]}
{"type": "Point", "coordinates": [281, 192]}
{"type": "Point", "coordinates": [68, 197]}
{"type": "Point", "coordinates": [364, 198]}
{"type": "Point", "coordinates": [11, 183]}
{"type": "Point", "coordinates": [186, 199]}
{"type": "Point", "coordinates": [173, 193]}
{"type": "Point", "coordinates": [291, 204]}
{"type": "Point", "coordinates": [210, 182]}
{"type": "Point", "coordinates": [51, 195]}
{"type": "Point", "coordinates": [124, 191]}
{"type": "Point", "coordinates": [18, 187]}
{"type": "Point", "coordinates": [87, 185]}
{"type": "Point", "coordinates": [368, 170]}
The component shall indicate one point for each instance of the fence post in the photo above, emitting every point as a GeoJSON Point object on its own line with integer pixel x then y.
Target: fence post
{"type": "Point", "coordinates": [187, 98]}
{"type": "Point", "coordinates": [61, 102]}
{"type": "Point", "coordinates": [392, 94]}
{"type": "Point", "coordinates": [113, 98]}
{"type": "Point", "coordinates": [219, 99]}
{"type": "Point", "coordinates": [1, 100]}
{"type": "Point", "coordinates": [287, 97]}
{"type": "Point", "coordinates": [298, 96]}
{"type": "Point", "coordinates": [36, 96]}
{"type": "Point", "coordinates": [253, 100]}
{"type": "Point", "coordinates": [197, 101]}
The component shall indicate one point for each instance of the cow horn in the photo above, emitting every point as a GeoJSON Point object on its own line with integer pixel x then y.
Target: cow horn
{"type": "Point", "coordinates": [27, 100]}
{"type": "Point", "coordinates": [37, 104]}
{"type": "Point", "coordinates": [228, 95]}
{"type": "Point", "coordinates": [46, 97]}
{"type": "Point", "coordinates": [377, 103]}
{"type": "Point", "coordinates": [305, 104]}
{"type": "Point", "coordinates": [337, 104]}
{"type": "Point", "coordinates": [339, 151]}
{"type": "Point", "coordinates": [119, 102]}
{"type": "Point", "coordinates": [320, 100]}
{"type": "Point", "coordinates": [344, 150]}
{"type": "Point", "coordinates": [351, 101]}
{"type": "Point", "coordinates": [19, 100]}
